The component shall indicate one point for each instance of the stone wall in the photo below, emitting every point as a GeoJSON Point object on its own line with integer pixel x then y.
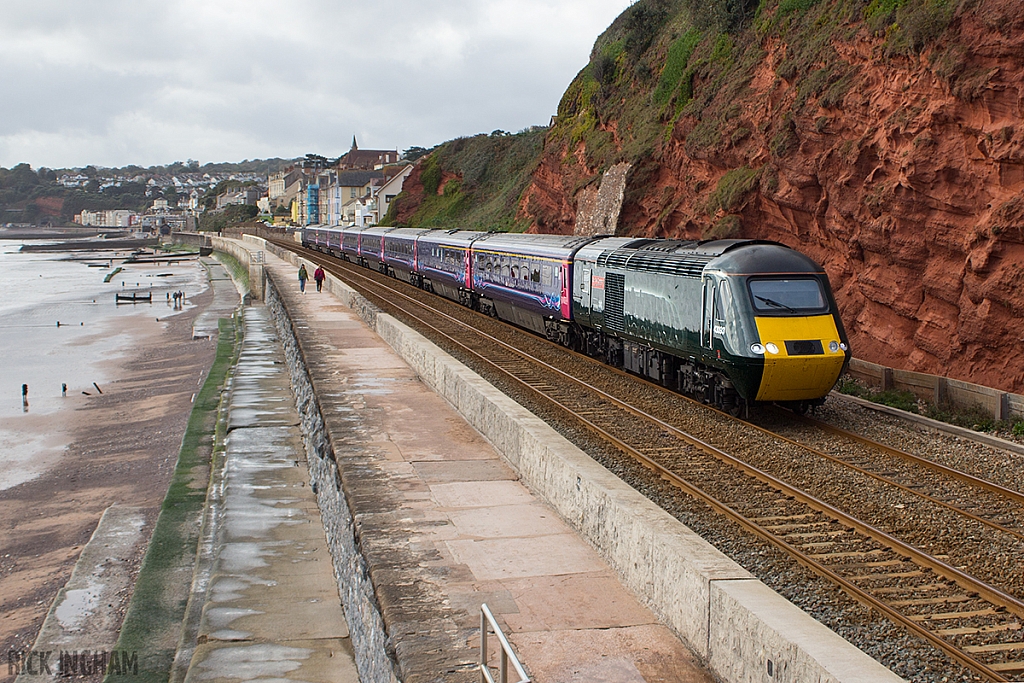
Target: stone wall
{"type": "Point", "coordinates": [366, 626]}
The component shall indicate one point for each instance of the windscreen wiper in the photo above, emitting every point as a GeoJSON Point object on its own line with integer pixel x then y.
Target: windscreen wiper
{"type": "Point", "coordinates": [776, 304]}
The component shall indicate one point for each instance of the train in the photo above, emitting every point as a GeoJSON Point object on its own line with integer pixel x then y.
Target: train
{"type": "Point", "coordinates": [731, 322]}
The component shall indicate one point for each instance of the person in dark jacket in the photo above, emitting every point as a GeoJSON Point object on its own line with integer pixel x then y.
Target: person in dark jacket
{"type": "Point", "coordinates": [303, 276]}
{"type": "Point", "coordinates": [319, 276]}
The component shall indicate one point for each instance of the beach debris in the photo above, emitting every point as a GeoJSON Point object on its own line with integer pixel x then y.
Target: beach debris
{"type": "Point", "coordinates": [87, 393]}
{"type": "Point", "coordinates": [97, 387]}
{"type": "Point", "coordinates": [133, 297]}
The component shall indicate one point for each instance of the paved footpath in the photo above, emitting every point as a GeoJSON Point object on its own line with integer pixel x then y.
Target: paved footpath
{"type": "Point", "coordinates": [445, 525]}
{"type": "Point", "coordinates": [272, 609]}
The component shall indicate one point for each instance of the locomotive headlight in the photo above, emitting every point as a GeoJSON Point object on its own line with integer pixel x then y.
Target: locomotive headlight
{"type": "Point", "coordinates": [771, 347]}
{"type": "Point", "coordinates": [843, 346]}
{"type": "Point", "coordinates": [833, 346]}
{"type": "Point", "coordinates": [757, 348]}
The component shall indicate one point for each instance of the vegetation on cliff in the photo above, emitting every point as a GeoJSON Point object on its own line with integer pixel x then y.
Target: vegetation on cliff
{"type": "Point", "coordinates": [472, 183]}
{"type": "Point", "coordinates": [671, 71]}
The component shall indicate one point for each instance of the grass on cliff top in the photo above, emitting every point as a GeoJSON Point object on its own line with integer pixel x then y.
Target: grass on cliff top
{"type": "Point", "coordinates": [667, 70]}
{"type": "Point", "coordinates": [698, 58]}
{"type": "Point", "coordinates": [491, 172]}
{"type": "Point", "coordinates": [152, 625]}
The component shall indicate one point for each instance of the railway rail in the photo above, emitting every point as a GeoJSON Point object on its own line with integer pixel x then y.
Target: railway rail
{"type": "Point", "coordinates": [971, 620]}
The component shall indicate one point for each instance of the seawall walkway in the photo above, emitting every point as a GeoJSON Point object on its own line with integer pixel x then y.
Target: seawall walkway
{"type": "Point", "coordinates": [271, 602]}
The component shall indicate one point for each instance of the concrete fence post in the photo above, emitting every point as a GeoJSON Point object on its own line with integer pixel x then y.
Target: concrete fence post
{"type": "Point", "coordinates": [941, 391]}
{"type": "Point", "coordinates": [887, 381]}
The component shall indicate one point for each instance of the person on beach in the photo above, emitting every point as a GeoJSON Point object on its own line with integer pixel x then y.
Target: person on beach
{"type": "Point", "coordinates": [319, 276]}
{"type": "Point", "coordinates": [303, 276]}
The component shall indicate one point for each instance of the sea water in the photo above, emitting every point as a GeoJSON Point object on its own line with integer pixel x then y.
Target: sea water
{"type": "Point", "coordinates": [95, 334]}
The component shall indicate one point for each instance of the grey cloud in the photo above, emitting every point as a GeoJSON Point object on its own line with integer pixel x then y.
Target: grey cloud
{"type": "Point", "coordinates": [231, 80]}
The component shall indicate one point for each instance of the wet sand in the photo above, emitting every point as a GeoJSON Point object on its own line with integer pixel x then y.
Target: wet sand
{"type": "Point", "coordinates": [122, 448]}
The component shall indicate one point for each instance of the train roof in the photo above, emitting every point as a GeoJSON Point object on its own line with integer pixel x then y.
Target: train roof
{"type": "Point", "coordinates": [452, 238]}
{"type": "Point", "coordinates": [377, 231]}
{"type": "Point", "coordinates": [408, 233]}
{"type": "Point", "coordinates": [764, 258]}
{"type": "Point", "coordinates": [550, 246]}
{"type": "Point", "coordinates": [690, 258]}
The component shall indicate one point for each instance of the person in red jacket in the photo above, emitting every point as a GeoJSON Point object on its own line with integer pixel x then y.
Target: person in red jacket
{"type": "Point", "coordinates": [319, 276]}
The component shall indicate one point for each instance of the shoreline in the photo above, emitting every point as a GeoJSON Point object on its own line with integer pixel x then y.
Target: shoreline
{"type": "Point", "coordinates": [122, 448]}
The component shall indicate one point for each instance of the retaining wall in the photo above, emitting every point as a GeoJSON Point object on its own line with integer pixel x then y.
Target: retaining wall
{"type": "Point", "coordinates": [941, 390]}
{"type": "Point", "coordinates": [741, 628]}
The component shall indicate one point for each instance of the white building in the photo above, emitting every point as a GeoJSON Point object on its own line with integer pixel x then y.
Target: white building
{"type": "Point", "coordinates": [387, 192]}
{"type": "Point", "coordinates": [117, 218]}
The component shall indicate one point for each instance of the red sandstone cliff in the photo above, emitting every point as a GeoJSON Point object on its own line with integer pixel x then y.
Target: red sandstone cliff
{"type": "Point", "coordinates": [908, 188]}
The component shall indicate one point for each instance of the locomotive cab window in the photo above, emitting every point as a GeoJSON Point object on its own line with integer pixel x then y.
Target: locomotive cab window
{"type": "Point", "coordinates": [795, 295]}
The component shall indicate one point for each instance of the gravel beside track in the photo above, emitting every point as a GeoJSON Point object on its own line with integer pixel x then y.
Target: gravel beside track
{"type": "Point", "coordinates": [988, 553]}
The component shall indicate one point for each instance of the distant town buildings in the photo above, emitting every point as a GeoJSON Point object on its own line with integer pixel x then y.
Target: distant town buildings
{"type": "Point", "coordinates": [244, 195]}
{"type": "Point", "coordinates": [117, 218]}
{"type": "Point", "coordinates": [366, 159]}
{"type": "Point", "coordinates": [355, 189]}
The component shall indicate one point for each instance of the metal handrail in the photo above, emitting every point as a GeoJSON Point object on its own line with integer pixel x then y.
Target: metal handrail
{"type": "Point", "coordinates": [507, 654]}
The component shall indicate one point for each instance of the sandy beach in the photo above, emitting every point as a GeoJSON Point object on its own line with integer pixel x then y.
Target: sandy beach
{"type": "Point", "coordinates": [85, 453]}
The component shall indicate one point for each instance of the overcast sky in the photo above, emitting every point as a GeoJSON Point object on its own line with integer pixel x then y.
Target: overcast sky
{"type": "Point", "coordinates": [116, 82]}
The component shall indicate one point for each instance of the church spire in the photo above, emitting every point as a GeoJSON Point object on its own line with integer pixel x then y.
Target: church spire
{"type": "Point", "coordinates": [354, 145]}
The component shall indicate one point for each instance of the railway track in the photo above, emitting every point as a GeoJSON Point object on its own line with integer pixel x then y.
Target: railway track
{"type": "Point", "coordinates": [971, 620]}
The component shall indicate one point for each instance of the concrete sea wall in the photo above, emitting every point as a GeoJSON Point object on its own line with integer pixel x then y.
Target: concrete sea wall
{"type": "Point", "coordinates": [369, 640]}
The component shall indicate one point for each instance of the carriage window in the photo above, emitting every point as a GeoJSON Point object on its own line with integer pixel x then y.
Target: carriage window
{"type": "Point", "coordinates": [524, 272]}
{"type": "Point", "coordinates": [799, 295]}
{"type": "Point", "coordinates": [504, 270]}
{"type": "Point", "coordinates": [545, 275]}
{"type": "Point", "coordinates": [535, 274]}
{"type": "Point", "coordinates": [515, 272]}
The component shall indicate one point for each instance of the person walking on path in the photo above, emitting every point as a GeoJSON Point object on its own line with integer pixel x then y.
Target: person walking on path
{"type": "Point", "coordinates": [303, 276]}
{"type": "Point", "coordinates": [319, 276]}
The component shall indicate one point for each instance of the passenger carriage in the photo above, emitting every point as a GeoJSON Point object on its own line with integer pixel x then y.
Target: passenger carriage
{"type": "Point", "coordinates": [526, 279]}
{"type": "Point", "coordinates": [371, 248]}
{"type": "Point", "coordinates": [443, 263]}
{"type": "Point", "coordinates": [350, 243]}
{"type": "Point", "coordinates": [400, 253]}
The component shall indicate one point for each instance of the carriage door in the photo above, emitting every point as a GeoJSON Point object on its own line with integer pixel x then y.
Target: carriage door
{"type": "Point", "coordinates": [708, 317]}
{"type": "Point", "coordinates": [581, 294]}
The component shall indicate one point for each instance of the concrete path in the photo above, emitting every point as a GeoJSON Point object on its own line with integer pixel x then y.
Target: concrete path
{"type": "Point", "coordinates": [225, 300]}
{"type": "Point", "coordinates": [272, 611]}
{"type": "Point", "coordinates": [445, 525]}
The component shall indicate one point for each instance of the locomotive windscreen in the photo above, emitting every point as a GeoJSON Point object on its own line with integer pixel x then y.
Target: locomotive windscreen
{"type": "Point", "coordinates": [801, 295]}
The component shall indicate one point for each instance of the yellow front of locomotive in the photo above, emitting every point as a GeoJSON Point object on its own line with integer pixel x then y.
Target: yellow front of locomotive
{"type": "Point", "coordinates": [803, 356]}
{"type": "Point", "coordinates": [800, 337]}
